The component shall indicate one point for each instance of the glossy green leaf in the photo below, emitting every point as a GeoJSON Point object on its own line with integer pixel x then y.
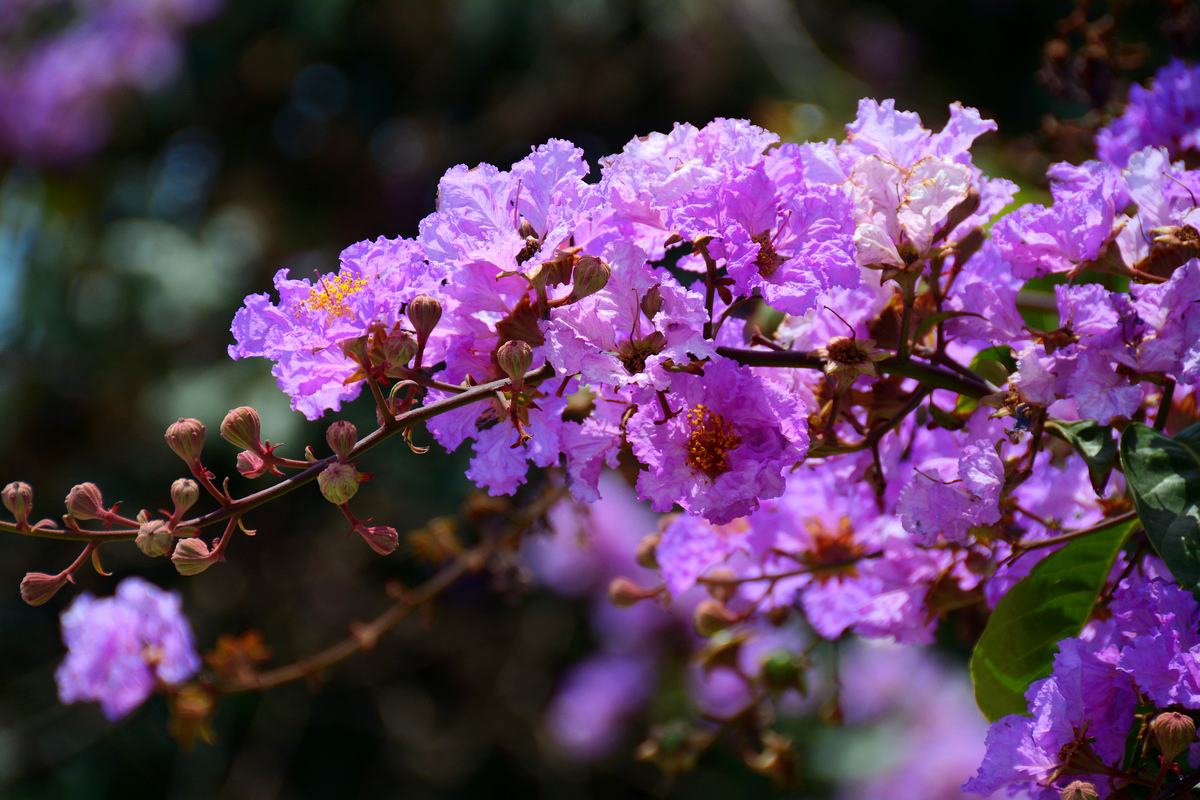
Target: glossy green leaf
{"type": "Point", "coordinates": [1048, 605]}
{"type": "Point", "coordinates": [1163, 475]}
{"type": "Point", "coordinates": [1094, 442]}
{"type": "Point", "coordinates": [994, 364]}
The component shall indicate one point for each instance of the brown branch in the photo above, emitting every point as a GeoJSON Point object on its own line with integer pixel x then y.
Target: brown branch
{"type": "Point", "coordinates": [928, 375]}
{"type": "Point", "coordinates": [365, 636]}
{"type": "Point", "coordinates": [264, 496]}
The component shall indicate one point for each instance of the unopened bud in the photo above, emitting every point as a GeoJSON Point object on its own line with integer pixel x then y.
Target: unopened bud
{"type": "Point", "coordinates": [154, 538]}
{"type": "Point", "coordinates": [781, 671]}
{"type": "Point", "coordinates": [652, 301]}
{"type": "Point", "coordinates": [184, 494]}
{"type": "Point", "coordinates": [623, 593]}
{"type": "Point", "coordinates": [712, 617]}
{"type": "Point", "coordinates": [382, 539]}
{"type": "Point", "coordinates": [1080, 790]}
{"type": "Point", "coordinates": [338, 482]}
{"type": "Point", "coordinates": [393, 351]}
{"type": "Point", "coordinates": [250, 464]}
{"type": "Point", "coordinates": [647, 551]}
{"type": "Point", "coordinates": [424, 312]}
{"type": "Point", "coordinates": [191, 556]}
{"type": "Point", "coordinates": [38, 587]}
{"type": "Point", "coordinates": [342, 436]}
{"type": "Point", "coordinates": [1173, 732]}
{"type": "Point", "coordinates": [18, 499]}
{"type": "Point", "coordinates": [185, 437]}
{"type": "Point", "coordinates": [591, 275]}
{"type": "Point", "coordinates": [515, 357]}
{"type": "Point", "coordinates": [242, 428]}
{"type": "Point", "coordinates": [84, 501]}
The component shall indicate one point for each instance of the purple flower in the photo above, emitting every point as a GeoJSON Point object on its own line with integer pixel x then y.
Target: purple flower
{"type": "Point", "coordinates": [726, 444]}
{"type": "Point", "coordinates": [303, 332]}
{"type": "Point", "coordinates": [596, 700]}
{"type": "Point", "coordinates": [57, 87]}
{"type": "Point", "coordinates": [791, 242]}
{"type": "Point", "coordinates": [938, 503]}
{"type": "Point", "coordinates": [1079, 719]}
{"type": "Point", "coordinates": [655, 174]}
{"type": "Point", "coordinates": [616, 338]}
{"type": "Point", "coordinates": [1038, 240]}
{"type": "Point", "coordinates": [907, 179]}
{"type": "Point", "coordinates": [120, 647]}
{"type": "Point", "coordinates": [1167, 114]}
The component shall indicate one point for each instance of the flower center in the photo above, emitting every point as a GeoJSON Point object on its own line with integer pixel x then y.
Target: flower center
{"type": "Point", "coordinates": [330, 294]}
{"type": "Point", "coordinates": [710, 441]}
{"type": "Point", "coordinates": [845, 350]}
{"type": "Point", "coordinates": [834, 554]}
{"type": "Point", "coordinates": [767, 259]}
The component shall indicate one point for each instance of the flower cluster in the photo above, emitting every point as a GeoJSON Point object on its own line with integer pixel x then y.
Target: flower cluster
{"type": "Point", "coordinates": [1082, 715]}
{"type": "Point", "coordinates": [1164, 114]}
{"type": "Point", "coordinates": [826, 367]}
{"type": "Point", "coordinates": [59, 77]}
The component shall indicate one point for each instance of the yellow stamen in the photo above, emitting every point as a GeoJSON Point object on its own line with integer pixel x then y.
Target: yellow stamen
{"type": "Point", "coordinates": [331, 293]}
{"type": "Point", "coordinates": [711, 440]}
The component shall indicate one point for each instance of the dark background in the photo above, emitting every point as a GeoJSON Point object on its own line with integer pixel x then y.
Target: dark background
{"type": "Point", "coordinates": [295, 129]}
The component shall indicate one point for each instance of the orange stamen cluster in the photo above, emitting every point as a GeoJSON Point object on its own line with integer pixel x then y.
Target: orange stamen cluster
{"type": "Point", "coordinates": [834, 554]}
{"type": "Point", "coordinates": [710, 441]}
{"type": "Point", "coordinates": [330, 295]}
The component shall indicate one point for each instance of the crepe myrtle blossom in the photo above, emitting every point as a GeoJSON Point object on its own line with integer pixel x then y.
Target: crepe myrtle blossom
{"type": "Point", "coordinates": [655, 175]}
{"type": "Point", "coordinates": [947, 496]}
{"type": "Point", "coordinates": [913, 189]}
{"type": "Point", "coordinates": [1164, 114]}
{"type": "Point", "coordinates": [787, 240]}
{"type": "Point", "coordinates": [845, 564]}
{"type": "Point", "coordinates": [632, 330]}
{"type": "Point", "coordinates": [309, 330]}
{"type": "Point", "coordinates": [119, 648]}
{"type": "Point", "coordinates": [724, 445]}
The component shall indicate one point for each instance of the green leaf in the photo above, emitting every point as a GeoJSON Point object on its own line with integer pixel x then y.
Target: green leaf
{"type": "Point", "coordinates": [1094, 442]}
{"type": "Point", "coordinates": [1164, 478]}
{"type": "Point", "coordinates": [1048, 605]}
{"type": "Point", "coordinates": [994, 364]}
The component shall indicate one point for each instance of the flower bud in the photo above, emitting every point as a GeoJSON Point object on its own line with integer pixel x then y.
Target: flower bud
{"type": "Point", "coordinates": [515, 357]}
{"type": "Point", "coordinates": [781, 671]}
{"type": "Point", "coordinates": [185, 437]}
{"type": "Point", "coordinates": [342, 436]}
{"type": "Point", "coordinates": [250, 464]}
{"type": "Point", "coordinates": [591, 275]}
{"type": "Point", "coordinates": [392, 351]}
{"type": "Point", "coordinates": [191, 556]}
{"type": "Point", "coordinates": [242, 428]}
{"type": "Point", "coordinates": [647, 551]}
{"type": "Point", "coordinates": [1173, 733]}
{"type": "Point", "coordinates": [184, 494]}
{"type": "Point", "coordinates": [338, 482]}
{"type": "Point", "coordinates": [18, 499]}
{"type": "Point", "coordinates": [424, 312]}
{"type": "Point", "coordinates": [84, 501]}
{"type": "Point", "coordinates": [38, 587]}
{"type": "Point", "coordinates": [382, 539]}
{"type": "Point", "coordinates": [1080, 790]}
{"type": "Point", "coordinates": [154, 538]}
{"type": "Point", "coordinates": [712, 617]}
{"type": "Point", "coordinates": [623, 593]}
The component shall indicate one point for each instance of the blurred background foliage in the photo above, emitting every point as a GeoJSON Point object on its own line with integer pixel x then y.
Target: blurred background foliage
{"type": "Point", "coordinates": [294, 128]}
